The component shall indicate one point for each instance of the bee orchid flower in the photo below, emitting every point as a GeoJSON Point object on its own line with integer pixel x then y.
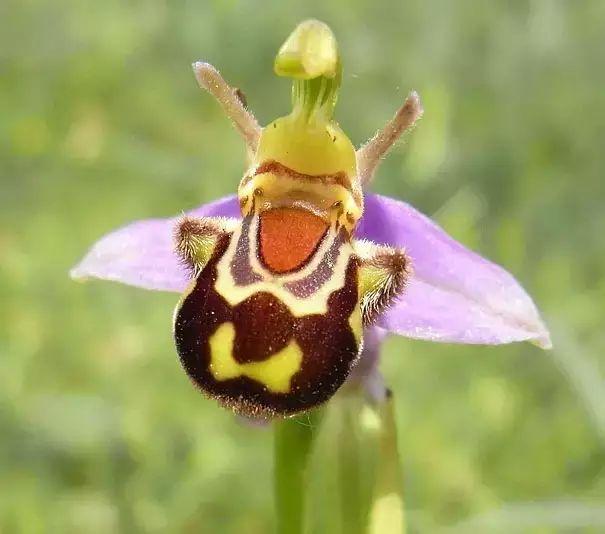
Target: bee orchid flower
{"type": "Point", "coordinates": [284, 281]}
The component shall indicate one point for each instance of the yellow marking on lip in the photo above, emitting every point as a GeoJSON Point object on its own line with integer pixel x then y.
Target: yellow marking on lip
{"type": "Point", "coordinates": [298, 306]}
{"type": "Point", "coordinates": [275, 373]}
{"type": "Point", "coordinates": [322, 196]}
{"type": "Point", "coordinates": [355, 322]}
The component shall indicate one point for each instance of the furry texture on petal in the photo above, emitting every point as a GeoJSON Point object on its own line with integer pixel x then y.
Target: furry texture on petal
{"type": "Point", "coordinates": [454, 295]}
{"type": "Point", "coordinates": [142, 253]}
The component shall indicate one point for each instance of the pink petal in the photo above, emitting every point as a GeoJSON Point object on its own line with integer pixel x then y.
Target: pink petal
{"type": "Point", "coordinates": [142, 253]}
{"type": "Point", "coordinates": [455, 295]}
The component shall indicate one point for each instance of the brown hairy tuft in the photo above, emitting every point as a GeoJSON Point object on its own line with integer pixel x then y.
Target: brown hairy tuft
{"type": "Point", "coordinates": [397, 266]}
{"type": "Point", "coordinates": [187, 235]}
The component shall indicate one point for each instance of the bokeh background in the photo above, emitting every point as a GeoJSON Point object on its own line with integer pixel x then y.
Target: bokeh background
{"type": "Point", "coordinates": [101, 122]}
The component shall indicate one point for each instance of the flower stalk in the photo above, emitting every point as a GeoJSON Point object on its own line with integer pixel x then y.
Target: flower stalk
{"type": "Point", "coordinates": [292, 444]}
{"type": "Point", "coordinates": [338, 470]}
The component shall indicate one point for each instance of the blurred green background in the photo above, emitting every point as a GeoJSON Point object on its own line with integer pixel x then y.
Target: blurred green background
{"type": "Point", "coordinates": [101, 122]}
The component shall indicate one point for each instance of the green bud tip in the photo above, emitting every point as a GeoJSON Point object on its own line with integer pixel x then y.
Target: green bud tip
{"type": "Point", "coordinates": [310, 57]}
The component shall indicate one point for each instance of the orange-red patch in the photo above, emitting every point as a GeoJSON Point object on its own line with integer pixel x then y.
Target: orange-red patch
{"type": "Point", "coordinates": [288, 237]}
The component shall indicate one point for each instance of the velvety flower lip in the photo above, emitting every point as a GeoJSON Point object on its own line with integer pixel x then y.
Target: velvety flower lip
{"type": "Point", "coordinates": [454, 296]}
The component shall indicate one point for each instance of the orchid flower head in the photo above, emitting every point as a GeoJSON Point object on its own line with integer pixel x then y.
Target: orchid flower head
{"type": "Point", "coordinates": [284, 281]}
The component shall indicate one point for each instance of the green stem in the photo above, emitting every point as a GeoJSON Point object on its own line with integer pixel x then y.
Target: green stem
{"type": "Point", "coordinates": [351, 505]}
{"type": "Point", "coordinates": [293, 440]}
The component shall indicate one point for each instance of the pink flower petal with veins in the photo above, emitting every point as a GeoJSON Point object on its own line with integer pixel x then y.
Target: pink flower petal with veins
{"type": "Point", "coordinates": [455, 295]}
{"type": "Point", "coordinates": [142, 253]}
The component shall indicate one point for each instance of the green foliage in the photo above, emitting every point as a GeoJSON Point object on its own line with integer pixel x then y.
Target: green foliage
{"type": "Point", "coordinates": [101, 122]}
{"type": "Point", "coordinates": [354, 479]}
{"type": "Point", "coordinates": [337, 469]}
